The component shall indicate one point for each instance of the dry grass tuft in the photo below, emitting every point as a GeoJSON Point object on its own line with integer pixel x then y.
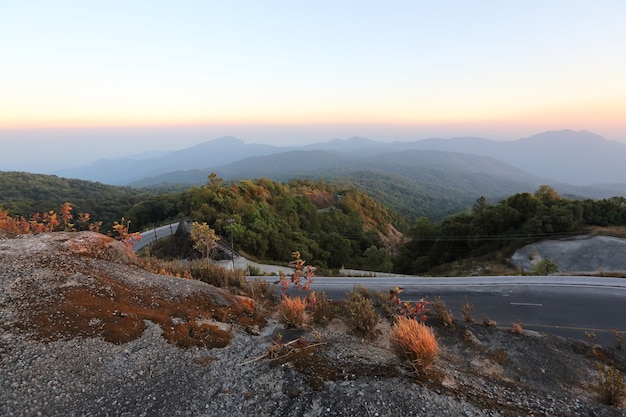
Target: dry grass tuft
{"type": "Point", "coordinates": [322, 311]}
{"type": "Point", "coordinates": [261, 290]}
{"type": "Point", "coordinates": [612, 388]}
{"type": "Point", "coordinates": [618, 337]}
{"type": "Point", "coordinates": [488, 322]}
{"type": "Point", "coordinates": [443, 313]}
{"type": "Point", "coordinates": [467, 309]}
{"type": "Point", "coordinates": [415, 342]}
{"type": "Point", "coordinates": [293, 312]}
{"type": "Point", "coordinates": [360, 315]}
{"type": "Point", "coordinates": [517, 328]}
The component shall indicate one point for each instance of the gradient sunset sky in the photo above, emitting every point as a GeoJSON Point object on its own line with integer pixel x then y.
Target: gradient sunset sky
{"type": "Point", "coordinates": [144, 75]}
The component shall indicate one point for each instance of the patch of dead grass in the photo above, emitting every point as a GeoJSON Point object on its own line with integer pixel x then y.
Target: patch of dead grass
{"type": "Point", "coordinates": [415, 342]}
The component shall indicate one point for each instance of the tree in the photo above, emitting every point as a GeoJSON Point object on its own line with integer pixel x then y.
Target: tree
{"type": "Point", "coordinates": [545, 267]}
{"type": "Point", "coordinates": [377, 259]}
{"type": "Point", "coordinates": [204, 238]}
{"type": "Point", "coordinates": [547, 195]}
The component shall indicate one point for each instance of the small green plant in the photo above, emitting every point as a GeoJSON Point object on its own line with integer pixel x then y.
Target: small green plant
{"type": "Point", "coordinates": [545, 267]}
{"type": "Point", "coordinates": [415, 342]}
{"type": "Point", "coordinates": [360, 314]}
{"type": "Point", "coordinates": [253, 270]}
{"type": "Point", "coordinates": [612, 388]}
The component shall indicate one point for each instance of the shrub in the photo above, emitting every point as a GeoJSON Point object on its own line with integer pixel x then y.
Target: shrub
{"type": "Point", "coordinates": [418, 310]}
{"type": "Point", "coordinates": [415, 342]}
{"type": "Point", "coordinates": [545, 267]}
{"type": "Point", "coordinates": [488, 322]}
{"type": "Point", "coordinates": [443, 313]}
{"type": "Point", "coordinates": [612, 389]}
{"type": "Point", "coordinates": [261, 290]}
{"type": "Point", "coordinates": [253, 270]}
{"type": "Point", "coordinates": [591, 337]}
{"type": "Point", "coordinates": [360, 314]}
{"type": "Point", "coordinates": [293, 312]}
{"type": "Point", "coordinates": [301, 278]}
{"type": "Point", "coordinates": [321, 310]}
{"type": "Point", "coordinates": [365, 292]}
{"type": "Point", "coordinates": [619, 338]}
{"type": "Point", "coordinates": [198, 270]}
{"type": "Point", "coordinates": [467, 309]}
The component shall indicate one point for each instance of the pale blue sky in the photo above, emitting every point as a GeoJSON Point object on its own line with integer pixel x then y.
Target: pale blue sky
{"type": "Point", "coordinates": [295, 72]}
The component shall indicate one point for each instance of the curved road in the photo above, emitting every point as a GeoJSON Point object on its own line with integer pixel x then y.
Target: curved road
{"type": "Point", "coordinates": [150, 236]}
{"type": "Point", "coordinates": [564, 305]}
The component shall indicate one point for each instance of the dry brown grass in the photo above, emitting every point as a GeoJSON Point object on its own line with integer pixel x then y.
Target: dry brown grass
{"type": "Point", "coordinates": [488, 322]}
{"type": "Point", "coordinates": [467, 309]}
{"type": "Point", "coordinates": [293, 312]}
{"type": "Point", "coordinates": [517, 328]}
{"type": "Point", "coordinates": [198, 270]}
{"type": "Point", "coordinates": [415, 342]}
{"type": "Point", "coordinates": [616, 231]}
{"type": "Point", "coordinates": [361, 315]}
{"type": "Point", "coordinates": [322, 311]}
{"type": "Point", "coordinates": [612, 388]}
{"type": "Point", "coordinates": [443, 313]}
{"type": "Point", "coordinates": [618, 337]}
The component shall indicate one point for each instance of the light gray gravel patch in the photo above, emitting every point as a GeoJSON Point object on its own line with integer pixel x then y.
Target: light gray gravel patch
{"type": "Point", "coordinates": [581, 254]}
{"type": "Point", "coordinates": [148, 377]}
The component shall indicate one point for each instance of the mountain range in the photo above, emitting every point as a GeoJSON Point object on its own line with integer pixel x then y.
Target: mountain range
{"type": "Point", "coordinates": [580, 164]}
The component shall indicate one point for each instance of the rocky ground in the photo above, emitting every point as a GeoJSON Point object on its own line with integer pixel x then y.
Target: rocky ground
{"type": "Point", "coordinates": [86, 332]}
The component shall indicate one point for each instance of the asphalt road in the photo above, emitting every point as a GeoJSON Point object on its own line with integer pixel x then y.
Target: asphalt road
{"type": "Point", "coordinates": [564, 305]}
{"type": "Point", "coordinates": [152, 235]}
{"type": "Point", "coordinates": [567, 306]}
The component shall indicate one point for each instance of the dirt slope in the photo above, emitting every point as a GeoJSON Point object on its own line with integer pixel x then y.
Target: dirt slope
{"type": "Point", "coordinates": [86, 332]}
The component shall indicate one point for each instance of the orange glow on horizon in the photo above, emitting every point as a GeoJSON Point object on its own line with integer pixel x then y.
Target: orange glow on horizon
{"type": "Point", "coordinates": [600, 117]}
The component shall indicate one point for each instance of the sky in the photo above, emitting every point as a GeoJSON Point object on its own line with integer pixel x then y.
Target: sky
{"type": "Point", "coordinates": [84, 80]}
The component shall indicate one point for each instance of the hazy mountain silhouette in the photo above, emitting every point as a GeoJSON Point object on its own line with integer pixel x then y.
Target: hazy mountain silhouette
{"type": "Point", "coordinates": [579, 158]}
{"type": "Point", "coordinates": [560, 157]}
{"type": "Point", "coordinates": [414, 183]}
{"type": "Point", "coordinates": [123, 171]}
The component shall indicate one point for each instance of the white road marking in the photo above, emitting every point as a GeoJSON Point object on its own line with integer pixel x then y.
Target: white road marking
{"type": "Point", "coordinates": [527, 304]}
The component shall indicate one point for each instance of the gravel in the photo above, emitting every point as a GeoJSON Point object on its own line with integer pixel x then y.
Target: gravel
{"type": "Point", "coordinates": [492, 373]}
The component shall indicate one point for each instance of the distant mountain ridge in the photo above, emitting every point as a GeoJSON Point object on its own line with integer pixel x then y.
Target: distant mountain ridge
{"type": "Point", "coordinates": [415, 183]}
{"type": "Point", "coordinates": [578, 158]}
{"type": "Point", "coordinates": [123, 171]}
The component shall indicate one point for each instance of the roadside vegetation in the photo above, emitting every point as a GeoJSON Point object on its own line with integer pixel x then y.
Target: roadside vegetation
{"type": "Point", "coordinates": [333, 226]}
{"type": "Point", "coordinates": [417, 331]}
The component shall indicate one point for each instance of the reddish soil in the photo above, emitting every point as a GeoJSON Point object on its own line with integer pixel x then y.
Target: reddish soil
{"type": "Point", "coordinates": [85, 300]}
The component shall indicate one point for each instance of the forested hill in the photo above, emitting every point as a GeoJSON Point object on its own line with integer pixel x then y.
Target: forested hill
{"type": "Point", "coordinates": [24, 194]}
{"type": "Point", "coordinates": [330, 225]}
{"type": "Point", "coordinates": [414, 183]}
